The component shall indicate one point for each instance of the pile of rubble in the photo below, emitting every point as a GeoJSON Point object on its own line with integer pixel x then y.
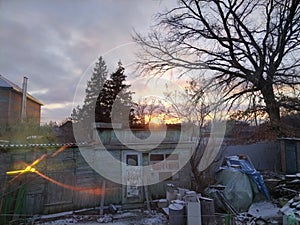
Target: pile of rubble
{"type": "Point", "coordinates": [127, 217]}
{"type": "Point", "coordinates": [183, 206]}
{"type": "Point", "coordinates": [285, 192]}
{"type": "Point", "coordinates": [241, 195]}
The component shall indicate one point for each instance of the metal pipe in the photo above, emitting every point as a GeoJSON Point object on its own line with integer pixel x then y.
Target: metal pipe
{"type": "Point", "coordinates": [24, 99]}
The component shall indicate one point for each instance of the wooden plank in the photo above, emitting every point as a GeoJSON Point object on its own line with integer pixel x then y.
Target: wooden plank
{"type": "Point", "coordinates": [298, 154]}
{"type": "Point", "coordinates": [147, 197]}
{"type": "Point", "coordinates": [283, 159]}
{"type": "Point", "coordinates": [102, 198]}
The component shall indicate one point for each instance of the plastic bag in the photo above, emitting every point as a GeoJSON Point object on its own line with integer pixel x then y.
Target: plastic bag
{"type": "Point", "coordinates": [238, 190]}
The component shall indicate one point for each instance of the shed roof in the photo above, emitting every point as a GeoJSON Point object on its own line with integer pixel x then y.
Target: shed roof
{"type": "Point", "coordinates": [5, 83]}
{"type": "Point", "coordinates": [289, 138]}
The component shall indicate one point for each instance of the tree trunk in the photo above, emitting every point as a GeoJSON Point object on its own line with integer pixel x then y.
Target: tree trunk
{"type": "Point", "coordinates": [272, 106]}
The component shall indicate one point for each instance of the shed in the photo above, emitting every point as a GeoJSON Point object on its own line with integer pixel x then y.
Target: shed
{"type": "Point", "coordinates": [73, 178]}
{"type": "Point", "coordinates": [151, 163]}
{"type": "Point", "coordinates": [290, 155]}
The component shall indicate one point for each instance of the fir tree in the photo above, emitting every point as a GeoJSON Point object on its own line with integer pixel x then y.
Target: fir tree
{"type": "Point", "coordinates": [94, 85]}
{"type": "Point", "coordinates": [115, 98]}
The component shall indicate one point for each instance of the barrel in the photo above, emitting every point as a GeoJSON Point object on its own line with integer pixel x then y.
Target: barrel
{"type": "Point", "coordinates": [176, 214]}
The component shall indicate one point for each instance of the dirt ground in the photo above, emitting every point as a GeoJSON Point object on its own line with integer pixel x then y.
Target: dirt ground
{"type": "Point", "coordinates": [123, 218]}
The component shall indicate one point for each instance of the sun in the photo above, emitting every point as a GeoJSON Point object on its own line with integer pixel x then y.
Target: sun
{"type": "Point", "coordinates": [157, 121]}
{"type": "Point", "coordinates": [161, 119]}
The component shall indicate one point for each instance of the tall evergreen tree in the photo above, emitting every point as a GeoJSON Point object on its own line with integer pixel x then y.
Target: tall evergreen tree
{"type": "Point", "coordinates": [115, 99]}
{"type": "Point", "coordinates": [94, 86]}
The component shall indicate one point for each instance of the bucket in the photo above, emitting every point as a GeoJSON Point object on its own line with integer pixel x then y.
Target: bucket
{"type": "Point", "coordinates": [176, 214]}
{"type": "Point", "coordinates": [171, 192]}
{"type": "Point", "coordinates": [171, 195]}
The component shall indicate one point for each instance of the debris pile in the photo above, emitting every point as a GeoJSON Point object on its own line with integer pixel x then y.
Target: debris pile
{"type": "Point", "coordinates": [239, 196]}
{"type": "Point", "coordinates": [239, 183]}
{"type": "Point", "coordinates": [183, 206]}
{"type": "Point", "coordinates": [283, 187]}
{"type": "Point", "coordinates": [128, 217]}
{"type": "Point", "coordinates": [285, 192]}
{"type": "Point", "coordinates": [291, 211]}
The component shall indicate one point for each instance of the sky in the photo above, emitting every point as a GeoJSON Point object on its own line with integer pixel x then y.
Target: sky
{"type": "Point", "coordinates": [55, 43]}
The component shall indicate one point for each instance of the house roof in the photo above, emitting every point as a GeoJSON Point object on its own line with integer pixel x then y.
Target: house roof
{"type": "Point", "coordinates": [5, 83]}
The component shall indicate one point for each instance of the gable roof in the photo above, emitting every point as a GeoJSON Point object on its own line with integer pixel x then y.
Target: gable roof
{"type": "Point", "coordinates": [5, 83]}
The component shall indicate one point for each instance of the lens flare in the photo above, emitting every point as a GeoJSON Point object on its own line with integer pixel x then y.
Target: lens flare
{"type": "Point", "coordinates": [31, 169]}
{"type": "Point", "coordinates": [95, 191]}
{"type": "Point", "coordinates": [28, 168]}
{"type": "Point", "coordinates": [62, 148]}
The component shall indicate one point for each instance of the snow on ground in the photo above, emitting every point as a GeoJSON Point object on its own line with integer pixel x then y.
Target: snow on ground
{"type": "Point", "coordinates": [124, 218]}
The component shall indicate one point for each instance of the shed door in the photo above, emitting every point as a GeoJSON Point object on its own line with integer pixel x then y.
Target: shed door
{"type": "Point", "coordinates": [291, 158]}
{"type": "Point", "coordinates": [132, 175]}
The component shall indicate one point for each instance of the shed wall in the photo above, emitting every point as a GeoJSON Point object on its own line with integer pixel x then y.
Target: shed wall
{"type": "Point", "coordinates": [69, 182]}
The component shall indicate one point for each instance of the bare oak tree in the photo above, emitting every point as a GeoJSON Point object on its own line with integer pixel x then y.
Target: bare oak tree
{"type": "Point", "coordinates": [251, 46]}
{"type": "Point", "coordinates": [202, 109]}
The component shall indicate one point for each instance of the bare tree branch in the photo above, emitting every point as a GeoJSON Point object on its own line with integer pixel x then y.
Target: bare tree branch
{"type": "Point", "coordinates": [249, 46]}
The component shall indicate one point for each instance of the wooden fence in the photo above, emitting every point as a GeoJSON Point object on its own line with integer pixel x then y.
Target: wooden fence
{"type": "Point", "coordinates": [63, 183]}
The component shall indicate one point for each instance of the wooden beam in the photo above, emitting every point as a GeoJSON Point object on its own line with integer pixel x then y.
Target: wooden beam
{"type": "Point", "coordinates": [102, 198]}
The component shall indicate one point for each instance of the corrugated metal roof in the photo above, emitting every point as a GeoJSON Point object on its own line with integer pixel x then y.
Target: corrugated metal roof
{"type": "Point", "coordinates": [5, 83]}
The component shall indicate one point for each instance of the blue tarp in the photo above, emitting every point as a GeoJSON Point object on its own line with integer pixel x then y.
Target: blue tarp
{"type": "Point", "coordinates": [242, 164]}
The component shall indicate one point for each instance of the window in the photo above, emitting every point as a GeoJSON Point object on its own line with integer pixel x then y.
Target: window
{"type": "Point", "coordinates": [132, 160]}
{"type": "Point", "coordinates": [157, 157]}
{"type": "Point", "coordinates": [164, 162]}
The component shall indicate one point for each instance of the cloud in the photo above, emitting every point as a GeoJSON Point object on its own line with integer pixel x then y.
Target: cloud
{"type": "Point", "coordinates": [54, 42]}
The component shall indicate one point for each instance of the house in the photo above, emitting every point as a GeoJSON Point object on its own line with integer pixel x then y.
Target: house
{"type": "Point", "coordinates": [11, 104]}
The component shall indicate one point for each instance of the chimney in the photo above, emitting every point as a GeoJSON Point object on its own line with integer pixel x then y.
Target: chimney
{"type": "Point", "coordinates": [24, 98]}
